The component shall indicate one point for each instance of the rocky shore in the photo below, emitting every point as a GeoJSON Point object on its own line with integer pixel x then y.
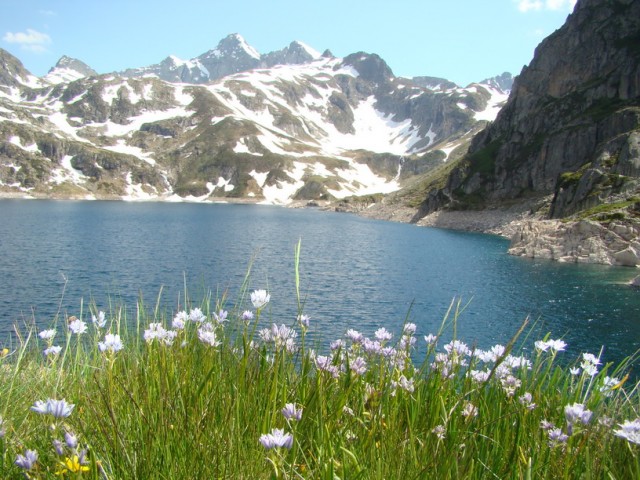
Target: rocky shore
{"type": "Point", "coordinates": [584, 241]}
{"type": "Point", "coordinates": [498, 221]}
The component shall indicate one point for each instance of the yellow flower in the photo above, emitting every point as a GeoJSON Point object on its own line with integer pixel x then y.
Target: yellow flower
{"type": "Point", "coordinates": [4, 352]}
{"type": "Point", "coordinates": [72, 465]}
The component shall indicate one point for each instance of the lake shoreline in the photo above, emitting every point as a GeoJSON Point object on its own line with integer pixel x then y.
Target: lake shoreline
{"type": "Point", "coordinates": [502, 222]}
{"type": "Point", "coordinates": [615, 243]}
{"type": "Point", "coordinates": [530, 235]}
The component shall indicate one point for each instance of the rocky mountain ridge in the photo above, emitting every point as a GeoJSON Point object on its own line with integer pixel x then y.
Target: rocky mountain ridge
{"type": "Point", "coordinates": [232, 55]}
{"type": "Point", "coordinates": [315, 128]}
{"type": "Point", "coordinates": [68, 69]}
{"type": "Point", "coordinates": [568, 138]}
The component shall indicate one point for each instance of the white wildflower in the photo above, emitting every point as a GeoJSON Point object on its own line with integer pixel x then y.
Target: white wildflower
{"type": "Point", "coordinates": [99, 321]}
{"type": "Point", "coordinates": [111, 343]}
{"type": "Point", "coordinates": [196, 315]}
{"type": "Point", "coordinates": [259, 298]}
{"type": "Point", "coordinates": [47, 334]}
{"type": "Point", "coordinates": [77, 326]}
{"type": "Point", "coordinates": [630, 431]}
{"type": "Point", "coordinates": [53, 350]}
{"type": "Point", "coordinates": [382, 334]}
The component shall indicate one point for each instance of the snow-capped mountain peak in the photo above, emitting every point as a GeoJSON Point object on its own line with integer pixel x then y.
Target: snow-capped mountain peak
{"type": "Point", "coordinates": [232, 46]}
{"type": "Point", "coordinates": [311, 51]}
{"type": "Point", "coordinates": [68, 70]}
{"type": "Point", "coordinates": [233, 54]}
{"type": "Point", "coordinates": [502, 82]}
{"type": "Point", "coordinates": [242, 43]}
{"type": "Point", "coordinates": [177, 61]}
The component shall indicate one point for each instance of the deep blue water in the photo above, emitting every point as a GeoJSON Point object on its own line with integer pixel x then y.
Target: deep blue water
{"type": "Point", "coordinates": [355, 272]}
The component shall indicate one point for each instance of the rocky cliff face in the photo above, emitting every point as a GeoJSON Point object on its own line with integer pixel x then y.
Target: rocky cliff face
{"type": "Point", "coordinates": [570, 129]}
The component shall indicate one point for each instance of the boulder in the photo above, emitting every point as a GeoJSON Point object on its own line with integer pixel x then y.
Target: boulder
{"type": "Point", "coordinates": [627, 257]}
{"type": "Point", "coordinates": [578, 242]}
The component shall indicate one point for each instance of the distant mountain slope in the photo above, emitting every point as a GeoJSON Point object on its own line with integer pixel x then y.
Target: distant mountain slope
{"type": "Point", "coordinates": [317, 128]}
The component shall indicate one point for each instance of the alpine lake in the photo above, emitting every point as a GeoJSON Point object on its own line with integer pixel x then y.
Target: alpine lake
{"type": "Point", "coordinates": [61, 258]}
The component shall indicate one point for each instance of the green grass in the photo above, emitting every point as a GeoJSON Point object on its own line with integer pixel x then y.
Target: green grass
{"type": "Point", "coordinates": [568, 179]}
{"type": "Point", "coordinates": [417, 190]}
{"type": "Point", "coordinates": [191, 410]}
{"type": "Point", "coordinates": [620, 210]}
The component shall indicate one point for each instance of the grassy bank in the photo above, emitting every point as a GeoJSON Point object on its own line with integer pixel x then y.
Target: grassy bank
{"type": "Point", "coordinates": [203, 392]}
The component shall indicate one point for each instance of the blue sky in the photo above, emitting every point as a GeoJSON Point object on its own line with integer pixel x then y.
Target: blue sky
{"type": "Point", "coordinates": [461, 40]}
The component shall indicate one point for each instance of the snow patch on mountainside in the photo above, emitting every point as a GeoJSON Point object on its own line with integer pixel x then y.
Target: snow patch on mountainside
{"type": "Point", "coordinates": [182, 96]}
{"type": "Point", "coordinates": [60, 120]}
{"type": "Point", "coordinates": [136, 191]}
{"type": "Point", "coordinates": [246, 47]}
{"type": "Point", "coordinates": [62, 75]}
{"type": "Point", "coordinates": [259, 177]}
{"type": "Point", "coordinates": [282, 192]}
{"type": "Point", "coordinates": [498, 98]}
{"type": "Point", "coordinates": [113, 129]}
{"type": "Point", "coordinates": [15, 140]}
{"type": "Point", "coordinates": [226, 185]}
{"type": "Point", "coordinates": [314, 53]}
{"type": "Point", "coordinates": [122, 147]}
{"type": "Point", "coordinates": [374, 131]}
{"type": "Point", "coordinates": [66, 173]}
{"type": "Point", "coordinates": [360, 180]}
{"type": "Point", "coordinates": [13, 94]}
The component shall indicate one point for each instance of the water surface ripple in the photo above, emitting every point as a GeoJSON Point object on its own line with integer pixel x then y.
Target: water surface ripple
{"type": "Point", "coordinates": [355, 272]}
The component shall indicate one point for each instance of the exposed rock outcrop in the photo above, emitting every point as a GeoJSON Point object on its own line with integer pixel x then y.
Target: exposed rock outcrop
{"type": "Point", "coordinates": [570, 130]}
{"type": "Point", "coordinates": [579, 242]}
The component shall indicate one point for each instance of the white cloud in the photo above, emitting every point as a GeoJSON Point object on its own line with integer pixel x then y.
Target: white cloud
{"type": "Point", "coordinates": [560, 4]}
{"type": "Point", "coordinates": [537, 5]}
{"type": "Point", "coordinates": [526, 5]}
{"type": "Point", "coordinates": [31, 40]}
{"type": "Point", "coordinates": [47, 13]}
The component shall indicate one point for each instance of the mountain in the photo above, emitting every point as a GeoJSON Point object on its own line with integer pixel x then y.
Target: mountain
{"type": "Point", "coordinates": [312, 128]}
{"type": "Point", "coordinates": [434, 83]}
{"type": "Point", "coordinates": [502, 82]}
{"type": "Point", "coordinates": [13, 74]}
{"type": "Point", "coordinates": [232, 55]}
{"type": "Point", "coordinates": [567, 142]}
{"type": "Point", "coordinates": [69, 69]}
{"type": "Point", "coordinates": [296, 53]}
